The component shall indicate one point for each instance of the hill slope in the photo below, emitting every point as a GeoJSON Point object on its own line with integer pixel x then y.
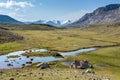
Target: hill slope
{"type": "Point", "coordinates": [29, 27]}
{"type": "Point", "coordinates": [6, 36]}
{"type": "Point", "coordinates": [109, 29]}
{"type": "Point", "coordinates": [4, 19]}
{"type": "Point", "coordinates": [109, 13]}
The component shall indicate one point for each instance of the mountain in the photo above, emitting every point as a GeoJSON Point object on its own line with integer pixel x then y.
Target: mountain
{"type": "Point", "coordinates": [4, 19]}
{"type": "Point", "coordinates": [109, 13]}
{"type": "Point", "coordinates": [39, 22]}
{"type": "Point", "coordinates": [57, 23]}
{"type": "Point", "coordinates": [67, 22]}
{"type": "Point", "coordinates": [54, 23]}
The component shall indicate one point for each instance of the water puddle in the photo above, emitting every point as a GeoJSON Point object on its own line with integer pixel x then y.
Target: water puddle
{"type": "Point", "coordinates": [67, 63]}
{"type": "Point", "coordinates": [8, 63]}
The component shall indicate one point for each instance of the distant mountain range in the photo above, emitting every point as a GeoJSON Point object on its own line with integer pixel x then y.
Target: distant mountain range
{"type": "Point", "coordinates": [4, 19]}
{"type": "Point", "coordinates": [57, 23]}
{"type": "Point", "coordinates": [109, 13]}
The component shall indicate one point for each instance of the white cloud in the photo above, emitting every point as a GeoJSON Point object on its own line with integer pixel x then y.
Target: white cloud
{"type": "Point", "coordinates": [12, 4]}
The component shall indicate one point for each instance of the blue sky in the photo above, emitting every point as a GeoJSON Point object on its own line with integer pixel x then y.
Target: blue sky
{"type": "Point", "coordinates": [32, 10]}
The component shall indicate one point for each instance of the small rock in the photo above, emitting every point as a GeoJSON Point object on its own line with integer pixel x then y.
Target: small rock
{"type": "Point", "coordinates": [81, 64]}
{"type": "Point", "coordinates": [9, 64]}
{"type": "Point", "coordinates": [43, 65]}
{"type": "Point", "coordinates": [29, 62]}
{"type": "Point", "coordinates": [11, 79]}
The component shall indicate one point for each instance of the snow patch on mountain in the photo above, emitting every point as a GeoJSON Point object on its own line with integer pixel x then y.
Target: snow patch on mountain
{"type": "Point", "coordinates": [57, 23]}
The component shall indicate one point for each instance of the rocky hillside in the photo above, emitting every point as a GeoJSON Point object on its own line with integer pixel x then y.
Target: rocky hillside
{"type": "Point", "coordinates": [109, 13]}
{"type": "Point", "coordinates": [6, 36]}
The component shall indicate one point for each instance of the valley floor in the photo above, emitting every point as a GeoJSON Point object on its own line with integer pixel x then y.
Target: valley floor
{"type": "Point", "coordinates": [67, 40]}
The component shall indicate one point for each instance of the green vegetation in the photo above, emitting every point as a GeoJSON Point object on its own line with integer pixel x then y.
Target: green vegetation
{"type": "Point", "coordinates": [10, 47]}
{"type": "Point", "coordinates": [58, 40]}
{"type": "Point", "coordinates": [13, 56]}
{"type": "Point", "coordinates": [108, 57]}
{"type": "Point", "coordinates": [47, 74]}
{"type": "Point", "coordinates": [38, 54]}
{"type": "Point", "coordinates": [28, 27]}
{"type": "Point", "coordinates": [104, 60]}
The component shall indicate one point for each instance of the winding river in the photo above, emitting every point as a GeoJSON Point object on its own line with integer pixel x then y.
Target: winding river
{"type": "Point", "coordinates": [8, 63]}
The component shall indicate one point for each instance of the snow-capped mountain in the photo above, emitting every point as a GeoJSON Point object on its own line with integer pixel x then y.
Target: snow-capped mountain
{"type": "Point", "coordinates": [57, 23]}
{"type": "Point", "coordinates": [54, 23]}
{"type": "Point", "coordinates": [64, 23]}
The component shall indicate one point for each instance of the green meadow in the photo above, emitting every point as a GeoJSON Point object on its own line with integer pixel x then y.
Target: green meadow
{"type": "Point", "coordinates": [105, 60]}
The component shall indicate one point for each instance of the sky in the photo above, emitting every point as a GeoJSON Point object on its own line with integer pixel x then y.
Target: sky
{"type": "Point", "coordinates": [33, 10]}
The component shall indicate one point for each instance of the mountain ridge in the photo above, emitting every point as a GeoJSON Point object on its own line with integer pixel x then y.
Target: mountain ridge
{"type": "Point", "coordinates": [5, 19]}
{"type": "Point", "coordinates": [108, 13]}
{"type": "Point", "coordinates": [57, 23]}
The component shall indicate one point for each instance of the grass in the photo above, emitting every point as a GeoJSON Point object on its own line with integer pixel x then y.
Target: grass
{"type": "Point", "coordinates": [28, 27]}
{"type": "Point", "coordinates": [34, 73]}
{"type": "Point", "coordinates": [107, 56]}
{"type": "Point", "coordinates": [58, 40]}
{"type": "Point", "coordinates": [13, 56]}
{"type": "Point", "coordinates": [38, 54]}
{"type": "Point", "coordinates": [49, 74]}
{"type": "Point", "coordinates": [10, 47]}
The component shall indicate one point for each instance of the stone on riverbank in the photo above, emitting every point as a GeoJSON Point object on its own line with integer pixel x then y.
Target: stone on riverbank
{"type": "Point", "coordinates": [81, 64]}
{"type": "Point", "coordinates": [43, 65]}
